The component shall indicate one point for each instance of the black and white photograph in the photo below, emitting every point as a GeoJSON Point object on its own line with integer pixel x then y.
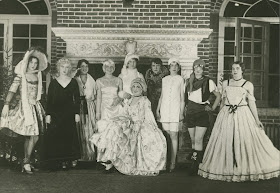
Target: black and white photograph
{"type": "Point", "coordinates": [139, 96]}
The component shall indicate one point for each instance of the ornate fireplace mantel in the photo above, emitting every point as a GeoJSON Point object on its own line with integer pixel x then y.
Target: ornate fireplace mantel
{"type": "Point", "coordinates": [98, 44]}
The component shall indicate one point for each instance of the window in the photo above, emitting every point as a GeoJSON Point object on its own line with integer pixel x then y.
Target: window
{"type": "Point", "coordinates": [24, 23]}
{"type": "Point", "coordinates": [246, 35]}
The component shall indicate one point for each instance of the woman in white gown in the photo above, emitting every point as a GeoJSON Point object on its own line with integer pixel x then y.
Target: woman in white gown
{"type": "Point", "coordinates": [129, 72]}
{"type": "Point", "coordinates": [108, 104]}
{"type": "Point", "coordinates": [132, 141]}
{"type": "Point", "coordinates": [238, 149]}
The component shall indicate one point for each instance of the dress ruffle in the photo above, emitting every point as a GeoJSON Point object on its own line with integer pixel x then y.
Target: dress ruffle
{"type": "Point", "coordinates": [134, 146]}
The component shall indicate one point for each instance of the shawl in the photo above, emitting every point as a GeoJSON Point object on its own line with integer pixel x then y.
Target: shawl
{"type": "Point", "coordinates": [20, 70]}
{"type": "Point", "coordinates": [88, 88]}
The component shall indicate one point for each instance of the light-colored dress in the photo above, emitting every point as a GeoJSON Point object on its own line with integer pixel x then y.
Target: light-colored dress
{"type": "Point", "coordinates": [170, 104]}
{"type": "Point", "coordinates": [109, 92]}
{"type": "Point", "coordinates": [133, 142]}
{"type": "Point", "coordinates": [15, 120]}
{"type": "Point", "coordinates": [238, 150]}
{"type": "Point", "coordinates": [87, 124]}
{"type": "Point", "coordinates": [127, 76]}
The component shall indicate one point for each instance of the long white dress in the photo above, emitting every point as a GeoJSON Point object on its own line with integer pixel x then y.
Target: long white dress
{"type": "Point", "coordinates": [109, 92]}
{"type": "Point", "coordinates": [170, 104]}
{"type": "Point", "coordinates": [238, 150]}
{"type": "Point", "coordinates": [127, 76]}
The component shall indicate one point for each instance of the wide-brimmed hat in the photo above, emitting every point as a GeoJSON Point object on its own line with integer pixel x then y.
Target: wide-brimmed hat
{"type": "Point", "coordinates": [22, 65]}
{"type": "Point", "coordinates": [141, 82]}
{"type": "Point", "coordinates": [173, 60]}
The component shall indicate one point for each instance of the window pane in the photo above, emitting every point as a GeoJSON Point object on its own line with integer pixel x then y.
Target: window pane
{"type": "Point", "coordinates": [229, 33]}
{"type": "Point", "coordinates": [246, 47]}
{"type": "Point", "coordinates": [39, 42]}
{"type": "Point", "coordinates": [258, 63]}
{"type": "Point", "coordinates": [258, 47]}
{"type": "Point", "coordinates": [17, 57]}
{"type": "Point", "coordinates": [273, 91]}
{"type": "Point", "coordinates": [246, 32]}
{"type": "Point", "coordinates": [258, 78]}
{"type": "Point", "coordinates": [247, 61]}
{"type": "Point", "coordinates": [258, 92]}
{"type": "Point", "coordinates": [274, 50]}
{"type": "Point", "coordinates": [20, 44]}
{"type": "Point", "coordinates": [38, 30]}
{"type": "Point", "coordinates": [21, 30]}
{"type": "Point", "coordinates": [247, 76]}
{"type": "Point", "coordinates": [258, 32]}
{"type": "Point", "coordinates": [12, 7]}
{"type": "Point", "coordinates": [1, 30]}
{"type": "Point", "coordinates": [228, 61]}
{"type": "Point", "coordinates": [38, 8]}
{"type": "Point", "coordinates": [1, 44]}
{"type": "Point", "coordinates": [229, 48]}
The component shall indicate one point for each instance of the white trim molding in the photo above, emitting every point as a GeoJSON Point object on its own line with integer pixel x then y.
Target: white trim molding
{"type": "Point", "coordinates": [97, 44]}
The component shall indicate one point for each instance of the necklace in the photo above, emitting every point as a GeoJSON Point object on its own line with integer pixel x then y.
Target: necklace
{"type": "Point", "coordinates": [238, 79]}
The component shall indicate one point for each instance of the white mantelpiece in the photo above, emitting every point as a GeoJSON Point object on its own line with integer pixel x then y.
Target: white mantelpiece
{"type": "Point", "coordinates": [98, 44]}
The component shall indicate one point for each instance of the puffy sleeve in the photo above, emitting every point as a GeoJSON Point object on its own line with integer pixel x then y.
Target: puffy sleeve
{"type": "Point", "coordinates": [250, 91]}
{"type": "Point", "coordinates": [15, 84]}
{"type": "Point", "coordinates": [212, 86]}
{"type": "Point", "coordinates": [223, 90]}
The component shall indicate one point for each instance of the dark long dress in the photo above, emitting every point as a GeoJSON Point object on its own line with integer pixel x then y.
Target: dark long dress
{"type": "Point", "coordinates": [62, 138]}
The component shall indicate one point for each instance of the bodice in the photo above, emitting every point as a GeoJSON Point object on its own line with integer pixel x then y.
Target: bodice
{"type": "Point", "coordinates": [32, 90]}
{"type": "Point", "coordinates": [137, 111]}
{"type": "Point", "coordinates": [235, 95]}
{"type": "Point", "coordinates": [108, 94]}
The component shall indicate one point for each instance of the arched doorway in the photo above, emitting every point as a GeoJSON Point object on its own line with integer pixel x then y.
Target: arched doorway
{"type": "Point", "coordinates": [23, 23]}
{"type": "Point", "coordinates": [249, 32]}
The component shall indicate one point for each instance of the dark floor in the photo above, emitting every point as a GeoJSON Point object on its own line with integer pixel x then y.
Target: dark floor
{"type": "Point", "coordinates": [86, 178]}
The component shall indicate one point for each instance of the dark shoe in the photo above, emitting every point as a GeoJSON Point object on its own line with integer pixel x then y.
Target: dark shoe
{"type": "Point", "coordinates": [33, 168]}
{"type": "Point", "coordinates": [65, 166]}
{"type": "Point", "coordinates": [194, 164]}
{"type": "Point", "coordinates": [190, 155]}
{"type": "Point", "coordinates": [74, 163]}
{"type": "Point", "coordinates": [109, 170]}
{"type": "Point", "coordinates": [107, 162]}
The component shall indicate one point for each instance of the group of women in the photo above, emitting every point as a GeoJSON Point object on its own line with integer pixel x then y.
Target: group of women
{"type": "Point", "coordinates": [111, 120]}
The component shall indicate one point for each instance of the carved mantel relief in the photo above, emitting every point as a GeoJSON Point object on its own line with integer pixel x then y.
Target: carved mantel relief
{"type": "Point", "coordinates": [97, 44]}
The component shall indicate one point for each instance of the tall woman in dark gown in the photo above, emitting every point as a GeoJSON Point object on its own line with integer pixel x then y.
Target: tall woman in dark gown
{"type": "Point", "coordinates": [63, 107]}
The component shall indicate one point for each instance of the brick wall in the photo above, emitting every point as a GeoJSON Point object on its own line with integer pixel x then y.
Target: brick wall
{"type": "Point", "coordinates": [142, 14]}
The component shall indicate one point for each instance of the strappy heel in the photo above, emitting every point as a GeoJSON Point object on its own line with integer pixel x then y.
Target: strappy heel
{"type": "Point", "coordinates": [27, 169]}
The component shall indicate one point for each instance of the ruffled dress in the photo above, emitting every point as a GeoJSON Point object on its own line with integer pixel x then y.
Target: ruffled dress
{"type": "Point", "coordinates": [132, 141]}
{"type": "Point", "coordinates": [238, 150]}
{"type": "Point", "coordinates": [14, 124]}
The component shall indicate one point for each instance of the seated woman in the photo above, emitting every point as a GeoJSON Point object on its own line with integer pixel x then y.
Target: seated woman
{"type": "Point", "coordinates": [132, 141]}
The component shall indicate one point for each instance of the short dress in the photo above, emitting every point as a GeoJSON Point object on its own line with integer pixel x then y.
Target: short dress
{"type": "Point", "coordinates": [16, 119]}
{"type": "Point", "coordinates": [170, 104]}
